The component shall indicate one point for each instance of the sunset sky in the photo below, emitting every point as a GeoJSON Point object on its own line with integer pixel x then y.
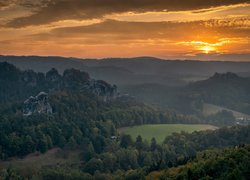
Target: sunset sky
{"type": "Point", "coordinates": [169, 29]}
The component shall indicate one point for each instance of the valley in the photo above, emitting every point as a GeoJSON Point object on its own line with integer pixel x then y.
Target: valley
{"type": "Point", "coordinates": [69, 125]}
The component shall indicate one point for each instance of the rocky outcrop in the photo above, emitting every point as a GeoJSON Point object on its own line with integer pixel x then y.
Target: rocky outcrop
{"type": "Point", "coordinates": [9, 72]}
{"type": "Point", "coordinates": [225, 76]}
{"type": "Point", "coordinates": [77, 80]}
{"type": "Point", "coordinates": [70, 80]}
{"type": "Point", "coordinates": [30, 78]}
{"type": "Point", "coordinates": [53, 80]}
{"type": "Point", "coordinates": [53, 76]}
{"type": "Point", "coordinates": [26, 83]}
{"type": "Point", "coordinates": [74, 79]}
{"type": "Point", "coordinates": [101, 88]}
{"type": "Point", "coordinates": [37, 105]}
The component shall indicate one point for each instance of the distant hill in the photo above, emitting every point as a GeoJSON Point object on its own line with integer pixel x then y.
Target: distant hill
{"type": "Point", "coordinates": [224, 89]}
{"type": "Point", "coordinates": [154, 80]}
{"type": "Point", "coordinates": [132, 71]}
{"type": "Point", "coordinates": [227, 90]}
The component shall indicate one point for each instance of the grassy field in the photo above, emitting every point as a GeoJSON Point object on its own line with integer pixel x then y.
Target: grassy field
{"type": "Point", "coordinates": [209, 109]}
{"type": "Point", "coordinates": [160, 131]}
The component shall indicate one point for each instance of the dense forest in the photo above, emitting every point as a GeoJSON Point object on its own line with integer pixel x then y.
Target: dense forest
{"type": "Point", "coordinates": [78, 114]}
{"type": "Point", "coordinates": [128, 159]}
{"type": "Point", "coordinates": [232, 163]}
{"type": "Point", "coordinates": [85, 114]}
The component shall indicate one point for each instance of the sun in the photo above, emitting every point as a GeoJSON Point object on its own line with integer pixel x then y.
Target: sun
{"type": "Point", "coordinates": [203, 46]}
{"type": "Point", "coordinates": [207, 49]}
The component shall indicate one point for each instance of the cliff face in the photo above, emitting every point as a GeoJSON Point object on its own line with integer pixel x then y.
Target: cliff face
{"type": "Point", "coordinates": [100, 88]}
{"type": "Point", "coordinates": [28, 83]}
{"type": "Point", "coordinates": [40, 103]}
{"type": "Point", "coordinates": [37, 105]}
{"type": "Point", "coordinates": [73, 79]}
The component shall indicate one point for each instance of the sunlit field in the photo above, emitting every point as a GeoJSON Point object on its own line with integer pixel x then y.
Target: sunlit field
{"type": "Point", "coordinates": [161, 131]}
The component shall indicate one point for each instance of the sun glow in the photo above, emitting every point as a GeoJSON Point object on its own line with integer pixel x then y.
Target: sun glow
{"type": "Point", "coordinates": [208, 49]}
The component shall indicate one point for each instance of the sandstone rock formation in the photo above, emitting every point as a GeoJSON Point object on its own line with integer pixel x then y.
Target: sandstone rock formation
{"type": "Point", "coordinates": [37, 105]}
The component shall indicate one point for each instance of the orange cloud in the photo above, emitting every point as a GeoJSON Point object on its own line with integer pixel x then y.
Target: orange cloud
{"type": "Point", "coordinates": [98, 28]}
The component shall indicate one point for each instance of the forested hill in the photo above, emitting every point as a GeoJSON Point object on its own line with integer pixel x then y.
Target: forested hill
{"type": "Point", "coordinates": [223, 89]}
{"type": "Point", "coordinates": [74, 112]}
{"type": "Point", "coordinates": [226, 164]}
{"type": "Point", "coordinates": [17, 84]}
{"type": "Point", "coordinates": [40, 111]}
{"type": "Point", "coordinates": [227, 90]}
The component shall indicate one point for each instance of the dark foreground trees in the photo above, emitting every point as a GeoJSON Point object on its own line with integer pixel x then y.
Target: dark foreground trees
{"type": "Point", "coordinates": [226, 164]}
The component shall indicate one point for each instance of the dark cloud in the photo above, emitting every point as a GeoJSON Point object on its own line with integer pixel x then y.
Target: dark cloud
{"type": "Point", "coordinates": [54, 10]}
{"type": "Point", "coordinates": [4, 3]}
{"type": "Point", "coordinates": [34, 3]}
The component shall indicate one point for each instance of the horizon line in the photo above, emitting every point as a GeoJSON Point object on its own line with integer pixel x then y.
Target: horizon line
{"type": "Point", "coordinates": [127, 58]}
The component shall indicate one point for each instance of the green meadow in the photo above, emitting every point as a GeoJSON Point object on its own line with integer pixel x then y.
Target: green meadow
{"type": "Point", "coordinates": [161, 131]}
